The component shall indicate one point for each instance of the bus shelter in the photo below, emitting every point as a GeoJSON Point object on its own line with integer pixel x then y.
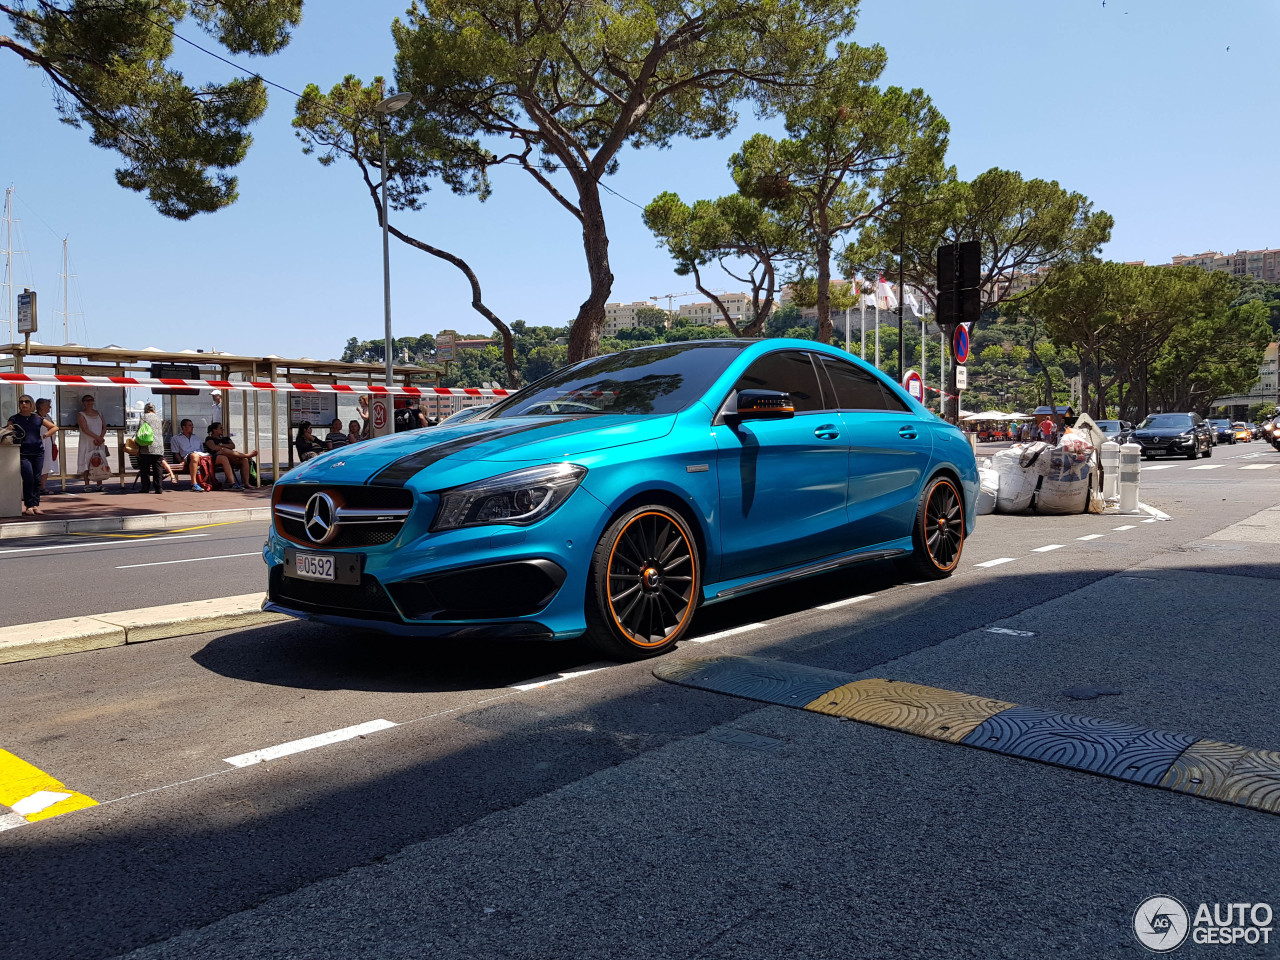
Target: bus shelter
{"type": "Point", "coordinates": [258, 419]}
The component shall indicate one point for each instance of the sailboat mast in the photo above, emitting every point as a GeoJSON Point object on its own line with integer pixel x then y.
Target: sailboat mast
{"type": "Point", "coordinates": [8, 255]}
{"type": "Point", "coordinates": [66, 304]}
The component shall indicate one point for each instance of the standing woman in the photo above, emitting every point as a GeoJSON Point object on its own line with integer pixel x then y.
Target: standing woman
{"type": "Point", "coordinates": [34, 427]}
{"type": "Point", "coordinates": [93, 434]}
{"type": "Point", "coordinates": [152, 452]}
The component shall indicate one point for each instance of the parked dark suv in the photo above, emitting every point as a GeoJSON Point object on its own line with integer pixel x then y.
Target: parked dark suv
{"type": "Point", "coordinates": [1174, 434]}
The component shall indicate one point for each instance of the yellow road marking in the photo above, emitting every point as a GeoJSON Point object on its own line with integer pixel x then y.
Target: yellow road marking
{"type": "Point", "coordinates": [156, 533]}
{"type": "Point", "coordinates": [44, 796]}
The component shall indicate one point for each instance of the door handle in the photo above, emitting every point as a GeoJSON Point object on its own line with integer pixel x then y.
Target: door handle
{"type": "Point", "coordinates": [907, 433]}
{"type": "Point", "coordinates": [826, 431]}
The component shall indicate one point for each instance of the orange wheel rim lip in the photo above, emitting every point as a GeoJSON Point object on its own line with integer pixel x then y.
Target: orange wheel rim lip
{"type": "Point", "coordinates": [689, 605]}
{"type": "Point", "coordinates": [959, 547]}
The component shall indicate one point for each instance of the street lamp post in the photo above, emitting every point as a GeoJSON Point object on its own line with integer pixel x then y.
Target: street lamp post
{"type": "Point", "coordinates": [388, 105]}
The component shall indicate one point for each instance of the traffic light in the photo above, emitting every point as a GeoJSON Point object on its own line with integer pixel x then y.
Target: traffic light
{"type": "Point", "coordinates": [959, 283]}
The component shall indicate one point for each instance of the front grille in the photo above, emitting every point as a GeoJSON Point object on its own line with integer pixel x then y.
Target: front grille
{"type": "Point", "coordinates": [366, 600]}
{"type": "Point", "coordinates": [357, 521]}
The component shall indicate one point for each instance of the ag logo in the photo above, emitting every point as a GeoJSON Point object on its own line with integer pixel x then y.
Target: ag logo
{"type": "Point", "coordinates": [1161, 924]}
{"type": "Point", "coordinates": [318, 521]}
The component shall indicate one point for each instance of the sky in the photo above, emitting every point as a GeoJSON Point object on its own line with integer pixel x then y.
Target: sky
{"type": "Point", "coordinates": [1155, 109]}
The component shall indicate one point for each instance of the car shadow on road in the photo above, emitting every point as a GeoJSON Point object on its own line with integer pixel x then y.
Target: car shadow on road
{"type": "Point", "coordinates": [314, 656]}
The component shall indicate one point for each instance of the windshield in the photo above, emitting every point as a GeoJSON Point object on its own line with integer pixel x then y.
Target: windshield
{"type": "Point", "coordinates": [1165, 421]}
{"type": "Point", "coordinates": [647, 380]}
{"type": "Point", "coordinates": [1221, 423]}
{"type": "Point", "coordinates": [1109, 426]}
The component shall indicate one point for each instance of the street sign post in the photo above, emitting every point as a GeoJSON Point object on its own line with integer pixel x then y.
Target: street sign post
{"type": "Point", "coordinates": [27, 322]}
{"type": "Point", "coordinates": [913, 384]}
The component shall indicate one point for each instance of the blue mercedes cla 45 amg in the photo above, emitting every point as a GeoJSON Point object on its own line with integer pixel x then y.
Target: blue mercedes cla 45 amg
{"type": "Point", "coordinates": [611, 498]}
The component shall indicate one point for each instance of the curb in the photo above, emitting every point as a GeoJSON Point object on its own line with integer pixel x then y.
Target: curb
{"type": "Point", "coordinates": [141, 521]}
{"type": "Point", "coordinates": [52, 638]}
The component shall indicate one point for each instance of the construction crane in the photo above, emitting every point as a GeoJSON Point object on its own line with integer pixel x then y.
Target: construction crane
{"type": "Point", "coordinates": [669, 297]}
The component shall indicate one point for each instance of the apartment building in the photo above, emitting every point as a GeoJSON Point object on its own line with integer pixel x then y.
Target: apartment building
{"type": "Point", "coordinates": [1260, 264]}
{"type": "Point", "coordinates": [622, 316]}
{"type": "Point", "coordinates": [707, 314]}
{"type": "Point", "coordinates": [1266, 390]}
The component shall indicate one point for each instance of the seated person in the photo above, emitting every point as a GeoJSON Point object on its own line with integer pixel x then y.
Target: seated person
{"type": "Point", "coordinates": [354, 432]}
{"type": "Point", "coordinates": [223, 449]}
{"type": "Point", "coordinates": [190, 451]}
{"type": "Point", "coordinates": [306, 443]}
{"type": "Point", "coordinates": [335, 437]}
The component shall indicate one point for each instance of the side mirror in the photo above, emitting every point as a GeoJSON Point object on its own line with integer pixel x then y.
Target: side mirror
{"type": "Point", "coordinates": [760, 405]}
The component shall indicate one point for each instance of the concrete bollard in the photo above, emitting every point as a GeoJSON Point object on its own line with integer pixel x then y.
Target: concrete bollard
{"type": "Point", "coordinates": [1130, 465]}
{"type": "Point", "coordinates": [1110, 470]}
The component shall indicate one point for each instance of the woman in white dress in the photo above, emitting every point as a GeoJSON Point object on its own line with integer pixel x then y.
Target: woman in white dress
{"type": "Point", "coordinates": [93, 433]}
{"type": "Point", "coordinates": [43, 407]}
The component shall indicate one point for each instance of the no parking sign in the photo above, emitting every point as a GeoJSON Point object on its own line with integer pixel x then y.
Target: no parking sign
{"type": "Point", "coordinates": [960, 343]}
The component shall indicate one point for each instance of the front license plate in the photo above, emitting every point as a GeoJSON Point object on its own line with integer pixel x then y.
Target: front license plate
{"type": "Point", "coordinates": [314, 566]}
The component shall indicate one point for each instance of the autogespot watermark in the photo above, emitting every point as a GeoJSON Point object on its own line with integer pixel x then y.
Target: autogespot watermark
{"type": "Point", "coordinates": [1163, 924]}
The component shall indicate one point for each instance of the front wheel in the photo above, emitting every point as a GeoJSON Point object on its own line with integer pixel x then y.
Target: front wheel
{"type": "Point", "coordinates": [644, 584]}
{"type": "Point", "coordinates": [937, 538]}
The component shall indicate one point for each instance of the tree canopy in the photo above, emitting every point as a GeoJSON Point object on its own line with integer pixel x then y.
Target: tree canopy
{"type": "Point", "coordinates": [564, 85]}
{"type": "Point", "coordinates": [108, 66]}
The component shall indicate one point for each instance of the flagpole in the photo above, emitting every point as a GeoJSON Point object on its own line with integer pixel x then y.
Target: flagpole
{"type": "Point", "coordinates": [877, 330]}
{"type": "Point", "coordinates": [862, 303]}
{"type": "Point", "coordinates": [924, 355]}
{"type": "Point", "coordinates": [846, 329]}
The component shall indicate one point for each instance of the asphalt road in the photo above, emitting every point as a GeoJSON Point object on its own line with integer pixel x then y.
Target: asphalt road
{"type": "Point", "coordinates": [530, 801]}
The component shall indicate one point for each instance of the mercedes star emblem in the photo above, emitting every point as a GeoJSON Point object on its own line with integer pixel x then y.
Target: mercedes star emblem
{"type": "Point", "coordinates": [318, 521]}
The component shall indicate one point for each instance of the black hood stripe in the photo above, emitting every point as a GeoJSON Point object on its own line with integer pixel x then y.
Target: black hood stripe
{"type": "Point", "coordinates": [399, 472]}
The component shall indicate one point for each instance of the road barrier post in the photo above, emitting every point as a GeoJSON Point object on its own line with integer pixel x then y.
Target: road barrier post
{"type": "Point", "coordinates": [1110, 469]}
{"type": "Point", "coordinates": [1130, 465]}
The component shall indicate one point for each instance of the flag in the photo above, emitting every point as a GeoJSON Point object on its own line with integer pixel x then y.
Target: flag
{"type": "Point", "coordinates": [885, 299]}
{"type": "Point", "coordinates": [910, 299]}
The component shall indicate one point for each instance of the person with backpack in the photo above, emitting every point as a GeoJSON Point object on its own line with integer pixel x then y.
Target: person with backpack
{"type": "Point", "coordinates": [150, 441]}
{"type": "Point", "coordinates": [409, 417]}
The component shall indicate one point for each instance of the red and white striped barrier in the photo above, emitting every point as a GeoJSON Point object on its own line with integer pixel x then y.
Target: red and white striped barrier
{"type": "Point", "coordinates": [249, 386]}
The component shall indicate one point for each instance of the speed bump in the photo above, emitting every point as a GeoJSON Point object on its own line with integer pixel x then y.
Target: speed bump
{"type": "Point", "coordinates": [1225, 772]}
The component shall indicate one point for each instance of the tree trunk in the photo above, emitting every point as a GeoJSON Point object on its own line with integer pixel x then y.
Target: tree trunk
{"type": "Point", "coordinates": [823, 241]}
{"type": "Point", "coordinates": [584, 335]}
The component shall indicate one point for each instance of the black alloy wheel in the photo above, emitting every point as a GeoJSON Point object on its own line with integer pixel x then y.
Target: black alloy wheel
{"type": "Point", "coordinates": [939, 533]}
{"type": "Point", "coordinates": [645, 581]}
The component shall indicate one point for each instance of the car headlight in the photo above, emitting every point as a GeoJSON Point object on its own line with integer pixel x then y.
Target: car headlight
{"type": "Point", "coordinates": [519, 498]}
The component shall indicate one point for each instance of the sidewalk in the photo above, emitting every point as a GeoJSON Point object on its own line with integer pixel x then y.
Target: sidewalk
{"type": "Point", "coordinates": [128, 508]}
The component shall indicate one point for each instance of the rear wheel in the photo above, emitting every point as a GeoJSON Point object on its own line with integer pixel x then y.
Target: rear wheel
{"type": "Point", "coordinates": [937, 538]}
{"type": "Point", "coordinates": [644, 584]}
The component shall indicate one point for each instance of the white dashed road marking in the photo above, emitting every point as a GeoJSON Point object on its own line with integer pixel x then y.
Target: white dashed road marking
{"type": "Point", "coordinates": [996, 562]}
{"type": "Point", "coordinates": [309, 743]}
{"type": "Point", "coordinates": [1127, 526]}
{"type": "Point", "coordinates": [107, 543]}
{"type": "Point", "coordinates": [844, 603]}
{"type": "Point", "coordinates": [1092, 536]}
{"type": "Point", "coordinates": [161, 563]}
{"type": "Point", "coordinates": [545, 681]}
{"type": "Point", "coordinates": [1207, 466]}
{"type": "Point", "coordinates": [1046, 549]}
{"type": "Point", "coordinates": [1258, 466]}
{"type": "Point", "coordinates": [750, 626]}
{"type": "Point", "coordinates": [1158, 466]}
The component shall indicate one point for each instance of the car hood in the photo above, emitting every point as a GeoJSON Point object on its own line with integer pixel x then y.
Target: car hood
{"type": "Point", "coordinates": [1173, 431]}
{"type": "Point", "coordinates": [416, 458]}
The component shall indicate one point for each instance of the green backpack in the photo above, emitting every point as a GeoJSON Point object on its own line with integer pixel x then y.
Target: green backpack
{"type": "Point", "coordinates": [145, 435]}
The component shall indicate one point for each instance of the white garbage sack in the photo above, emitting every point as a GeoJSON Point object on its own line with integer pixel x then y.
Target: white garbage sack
{"type": "Point", "coordinates": [1066, 475]}
{"type": "Point", "coordinates": [988, 490]}
{"type": "Point", "coordinates": [1015, 468]}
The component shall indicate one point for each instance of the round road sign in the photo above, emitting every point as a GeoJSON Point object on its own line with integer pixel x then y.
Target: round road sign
{"type": "Point", "coordinates": [960, 344]}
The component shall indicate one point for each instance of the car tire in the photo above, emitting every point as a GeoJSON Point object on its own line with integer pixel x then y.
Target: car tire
{"type": "Point", "coordinates": [644, 584]}
{"type": "Point", "coordinates": [1208, 453]}
{"type": "Point", "coordinates": [935, 546]}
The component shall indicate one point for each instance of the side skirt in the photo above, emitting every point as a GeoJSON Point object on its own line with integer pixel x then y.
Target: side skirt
{"type": "Point", "coordinates": [809, 570]}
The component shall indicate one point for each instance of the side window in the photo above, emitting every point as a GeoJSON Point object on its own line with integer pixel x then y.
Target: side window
{"type": "Point", "coordinates": [893, 401]}
{"type": "Point", "coordinates": [788, 371]}
{"type": "Point", "coordinates": [855, 389]}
